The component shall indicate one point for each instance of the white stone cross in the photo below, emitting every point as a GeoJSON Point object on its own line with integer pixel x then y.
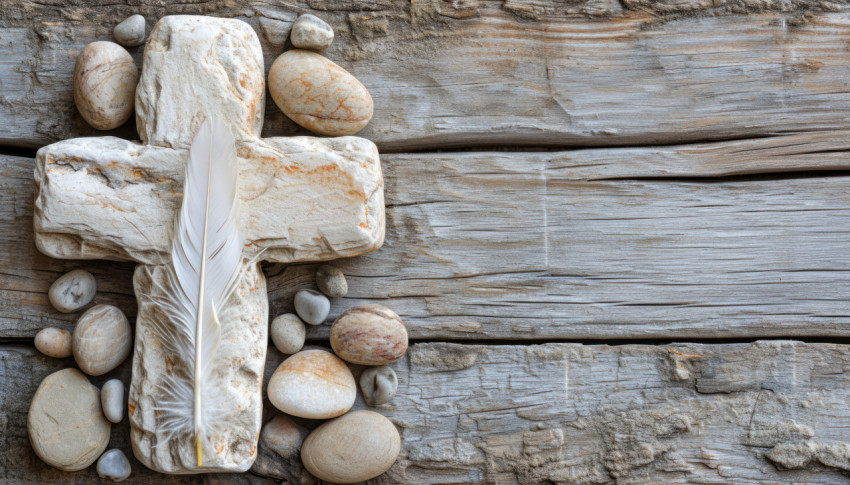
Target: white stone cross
{"type": "Point", "coordinates": [302, 199]}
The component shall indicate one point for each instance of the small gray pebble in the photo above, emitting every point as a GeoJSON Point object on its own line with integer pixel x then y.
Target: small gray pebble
{"type": "Point", "coordinates": [378, 385]}
{"type": "Point", "coordinates": [275, 31]}
{"type": "Point", "coordinates": [288, 333]}
{"type": "Point", "coordinates": [283, 436]}
{"type": "Point", "coordinates": [312, 306]}
{"type": "Point", "coordinates": [331, 281]}
{"type": "Point", "coordinates": [130, 32]}
{"type": "Point", "coordinates": [112, 400]}
{"type": "Point", "coordinates": [311, 32]}
{"type": "Point", "coordinates": [113, 465]}
{"type": "Point", "coordinates": [72, 291]}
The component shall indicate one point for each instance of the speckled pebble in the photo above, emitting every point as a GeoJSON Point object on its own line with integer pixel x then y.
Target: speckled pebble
{"type": "Point", "coordinates": [312, 306]}
{"type": "Point", "coordinates": [130, 32]}
{"type": "Point", "coordinates": [288, 333]}
{"type": "Point", "coordinates": [54, 342]}
{"type": "Point", "coordinates": [72, 291]}
{"type": "Point", "coordinates": [378, 385]}
{"type": "Point", "coordinates": [112, 400]}
{"type": "Point", "coordinates": [102, 339]}
{"type": "Point", "coordinates": [331, 281]}
{"type": "Point", "coordinates": [313, 384]}
{"type": "Point", "coordinates": [113, 465]}
{"type": "Point", "coordinates": [311, 32]}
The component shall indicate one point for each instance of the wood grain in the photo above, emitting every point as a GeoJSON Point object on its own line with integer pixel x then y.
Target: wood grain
{"type": "Point", "coordinates": [448, 74]}
{"type": "Point", "coordinates": [605, 243]}
{"type": "Point", "coordinates": [765, 412]}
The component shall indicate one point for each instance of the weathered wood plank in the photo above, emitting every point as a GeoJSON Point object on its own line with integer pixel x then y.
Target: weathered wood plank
{"type": "Point", "coordinates": [445, 74]}
{"type": "Point", "coordinates": [553, 245]}
{"type": "Point", "coordinates": [566, 413]}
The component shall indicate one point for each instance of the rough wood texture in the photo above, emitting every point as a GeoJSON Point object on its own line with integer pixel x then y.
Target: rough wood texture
{"type": "Point", "coordinates": [602, 243]}
{"type": "Point", "coordinates": [766, 412]}
{"type": "Point", "coordinates": [488, 72]}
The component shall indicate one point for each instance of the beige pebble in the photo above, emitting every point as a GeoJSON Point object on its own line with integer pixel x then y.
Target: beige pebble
{"type": "Point", "coordinates": [65, 425]}
{"type": "Point", "coordinates": [378, 385]}
{"type": "Point", "coordinates": [105, 79]}
{"type": "Point", "coordinates": [283, 436]}
{"type": "Point", "coordinates": [112, 400]}
{"type": "Point", "coordinates": [130, 32]}
{"type": "Point", "coordinates": [312, 384]}
{"type": "Point", "coordinates": [369, 335]}
{"type": "Point", "coordinates": [102, 339]}
{"type": "Point", "coordinates": [288, 333]}
{"type": "Point", "coordinates": [72, 291]}
{"type": "Point", "coordinates": [331, 281]}
{"type": "Point", "coordinates": [358, 446]}
{"type": "Point", "coordinates": [311, 32]}
{"type": "Point", "coordinates": [318, 94]}
{"type": "Point", "coordinates": [54, 342]}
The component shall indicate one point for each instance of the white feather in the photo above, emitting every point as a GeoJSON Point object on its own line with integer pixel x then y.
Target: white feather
{"type": "Point", "coordinates": [206, 263]}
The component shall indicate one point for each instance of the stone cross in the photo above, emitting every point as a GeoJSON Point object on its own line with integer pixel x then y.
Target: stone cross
{"type": "Point", "coordinates": [302, 199]}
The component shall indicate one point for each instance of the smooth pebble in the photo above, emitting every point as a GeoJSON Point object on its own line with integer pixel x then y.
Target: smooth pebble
{"type": "Point", "coordinates": [312, 306]}
{"type": "Point", "coordinates": [130, 32]}
{"type": "Point", "coordinates": [113, 465]}
{"type": "Point", "coordinates": [66, 428]}
{"type": "Point", "coordinates": [54, 342]}
{"type": "Point", "coordinates": [72, 291]}
{"type": "Point", "coordinates": [312, 384]}
{"type": "Point", "coordinates": [275, 31]}
{"type": "Point", "coordinates": [105, 79]}
{"type": "Point", "coordinates": [369, 335]}
{"type": "Point", "coordinates": [283, 436]}
{"type": "Point", "coordinates": [102, 339]}
{"type": "Point", "coordinates": [319, 95]}
{"type": "Point", "coordinates": [331, 281]}
{"type": "Point", "coordinates": [356, 447]}
{"type": "Point", "coordinates": [311, 32]}
{"type": "Point", "coordinates": [288, 333]}
{"type": "Point", "coordinates": [378, 385]}
{"type": "Point", "coordinates": [112, 400]}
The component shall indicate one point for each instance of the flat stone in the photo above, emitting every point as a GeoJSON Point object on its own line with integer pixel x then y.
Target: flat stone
{"type": "Point", "coordinates": [288, 333]}
{"type": "Point", "coordinates": [65, 425]}
{"type": "Point", "coordinates": [369, 335]}
{"type": "Point", "coordinates": [312, 384]}
{"type": "Point", "coordinates": [113, 465]}
{"type": "Point", "coordinates": [378, 385]}
{"type": "Point", "coordinates": [311, 32]}
{"type": "Point", "coordinates": [112, 400]}
{"type": "Point", "coordinates": [275, 31]}
{"type": "Point", "coordinates": [54, 342]}
{"type": "Point", "coordinates": [312, 306]}
{"type": "Point", "coordinates": [102, 339]}
{"type": "Point", "coordinates": [353, 448]}
{"type": "Point", "coordinates": [130, 32]}
{"type": "Point", "coordinates": [72, 291]}
{"type": "Point", "coordinates": [331, 281]}
{"type": "Point", "coordinates": [105, 78]}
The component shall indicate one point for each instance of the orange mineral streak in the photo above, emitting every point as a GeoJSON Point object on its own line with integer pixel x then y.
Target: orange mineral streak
{"type": "Point", "coordinates": [322, 366]}
{"type": "Point", "coordinates": [131, 408]}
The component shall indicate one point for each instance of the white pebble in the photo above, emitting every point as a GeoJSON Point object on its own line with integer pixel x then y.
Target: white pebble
{"type": "Point", "coordinates": [312, 306]}
{"type": "Point", "coordinates": [288, 333]}
{"type": "Point", "coordinates": [113, 465]}
{"type": "Point", "coordinates": [311, 32]}
{"type": "Point", "coordinates": [72, 291]}
{"type": "Point", "coordinates": [130, 32]}
{"type": "Point", "coordinates": [112, 400]}
{"type": "Point", "coordinates": [102, 339]}
{"type": "Point", "coordinates": [54, 342]}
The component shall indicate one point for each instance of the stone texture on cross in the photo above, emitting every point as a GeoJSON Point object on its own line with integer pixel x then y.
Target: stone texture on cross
{"type": "Point", "coordinates": [302, 199]}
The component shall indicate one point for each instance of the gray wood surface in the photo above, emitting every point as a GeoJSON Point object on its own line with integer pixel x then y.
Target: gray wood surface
{"type": "Point", "coordinates": [475, 73]}
{"type": "Point", "coordinates": [768, 412]}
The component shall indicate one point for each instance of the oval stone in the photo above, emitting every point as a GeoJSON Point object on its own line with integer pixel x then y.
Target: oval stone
{"type": "Point", "coordinates": [65, 425]}
{"type": "Point", "coordinates": [312, 306]}
{"type": "Point", "coordinates": [288, 333]}
{"type": "Point", "coordinates": [54, 342]}
{"type": "Point", "coordinates": [105, 79]}
{"type": "Point", "coordinates": [331, 281]}
{"type": "Point", "coordinates": [102, 339]}
{"type": "Point", "coordinates": [311, 32]}
{"type": "Point", "coordinates": [112, 400]}
{"type": "Point", "coordinates": [318, 94]}
{"type": "Point", "coordinates": [72, 291]}
{"type": "Point", "coordinates": [358, 446]}
{"type": "Point", "coordinates": [312, 384]}
{"type": "Point", "coordinates": [130, 32]}
{"type": "Point", "coordinates": [369, 335]}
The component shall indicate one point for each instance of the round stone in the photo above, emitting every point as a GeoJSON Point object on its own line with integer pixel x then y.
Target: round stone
{"type": "Point", "coordinates": [312, 306]}
{"type": "Point", "coordinates": [288, 333]}
{"type": "Point", "coordinates": [356, 447]}
{"type": "Point", "coordinates": [112, 400]}
{"type": "Point", "coordinates": [72, 291]}
{"type": "Point", "coordinates": [312, 384]}
{"type": "Point", "coordinates": [102, 339]}
{"type": "Point", "coordinates": [319, 95]}
{"type": "Point", "coordinates": [311, 32]}
{"type": "Point", "coordinates": [369, 335]}
{"type": "Point", "coordinates": [105, 79]}
{"type": "Point", "coordinates": [331, 281]}
{"type": "Point", "coordinates": [113, 465]}
{"type": "Point", "coordinates": [130, 32]}
{"type": "Point", "coordinates": [54, 342]}
{"type": "Point", "coordinates": [283, 436]}
{"type": "Point", "coordinates": [378, 385]}
{"type": "Point", "coordinates": [65, 425]}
